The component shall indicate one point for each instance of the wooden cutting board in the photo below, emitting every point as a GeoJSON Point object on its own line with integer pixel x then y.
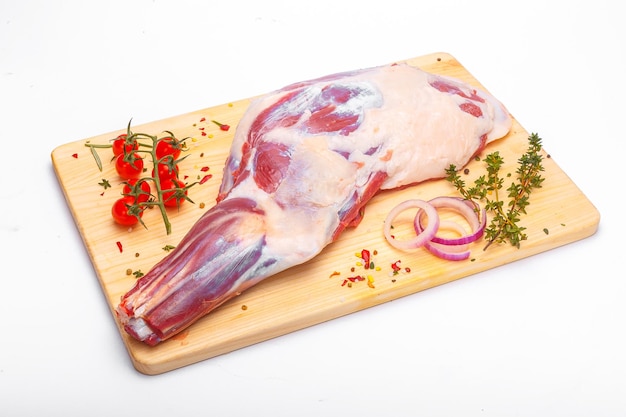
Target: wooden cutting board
{"type": "Point", "coordinates": [308, 294]}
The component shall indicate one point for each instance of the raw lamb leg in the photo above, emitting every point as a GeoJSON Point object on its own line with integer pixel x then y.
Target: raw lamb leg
{"type": "Point", "coordinates": [304, 162]}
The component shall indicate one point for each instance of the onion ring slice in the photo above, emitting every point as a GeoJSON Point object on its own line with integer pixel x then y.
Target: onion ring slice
{"type": "Point", "coordinates": [422, 238]}
{"type": "Point", "coordinates": [449, 252]}
{"type": "Point", "coordinates": [466, 209]}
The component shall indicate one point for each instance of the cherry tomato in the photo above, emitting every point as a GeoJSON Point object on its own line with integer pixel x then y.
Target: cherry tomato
{"type": "Point", "coordinates": [165, 173]}
{"type": "Point", "coordinates": [120, 142]}
{"type": "Point", "coordinates": [141, 191]}
{"type": "Point", "coordinates": [122, 212]}
{"type": "Point", "coordinates": [129, 170]}
{"type": "Point", "coordinates": [174, 197]}
{"type": "Point", "coordinates": [168, 146]}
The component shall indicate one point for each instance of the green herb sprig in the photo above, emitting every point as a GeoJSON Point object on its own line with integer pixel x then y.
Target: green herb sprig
{"type": "Point", "coordinates": [504, 225]}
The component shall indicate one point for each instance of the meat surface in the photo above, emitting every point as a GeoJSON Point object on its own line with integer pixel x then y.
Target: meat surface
{"type": "Point", "coordinates": [304, 162]}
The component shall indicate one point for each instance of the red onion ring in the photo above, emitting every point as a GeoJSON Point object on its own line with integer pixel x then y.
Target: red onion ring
{"type": "Point", "coordinates": [422, 238]}
{"type": "Point", "coordinates": [464, 208]}
{"type": "Point", "coordinates": [449, 252]}
{"type": "Point", "coordinates": [453, 249]}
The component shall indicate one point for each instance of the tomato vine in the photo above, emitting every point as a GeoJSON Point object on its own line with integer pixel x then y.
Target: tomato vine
{"type": "Point", "coordinates": [161, 189]}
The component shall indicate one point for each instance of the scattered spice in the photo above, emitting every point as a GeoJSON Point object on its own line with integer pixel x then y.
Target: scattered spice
{"type": "Point", "coordinates": [168, 248]}
{"type": "Point", "coordinates": [350, 280]}
{"type": "Point", "coordinates": [244, 307]}
{"type": "Point", "coordinates": [204, 169]}
{"type": "Point", "coordinates": [546, 231]}
{"type": "Point", "coordinates": [222, 126]}
{"type": "Point", "coordinates": [136, 254]}
{"type": "Point", "coordinates": [201, 205]}
{"type": "Point", "coordinates": [119, 246]}
{"type": "Point", "coordinates": [129, 271]}
{"type": "Point", "coordinates": [75, 155]}
{"type": "Point", "coordinates": [206, 178]}
{"type": "Point", "coordinates": [395, 267]}
{"type": "Point", "coordinates": [366, 261]}
{"type": "Point", "coordinates": [365, 255]}
{"type": "Point", "coordinates": [138, 273]}
{"type": "Point", "coordinates": [356, 278]}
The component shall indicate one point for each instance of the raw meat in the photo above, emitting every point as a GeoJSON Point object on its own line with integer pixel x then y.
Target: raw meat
{"type": "Point", "coordinates": [304, 162]}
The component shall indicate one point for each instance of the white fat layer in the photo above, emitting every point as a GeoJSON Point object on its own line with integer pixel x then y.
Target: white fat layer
{"type": "Point", "coordinates": [142, 330]}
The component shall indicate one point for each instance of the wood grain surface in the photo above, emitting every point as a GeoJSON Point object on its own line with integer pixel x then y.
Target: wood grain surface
{"type": "Point", "coordinates": [308, 294]}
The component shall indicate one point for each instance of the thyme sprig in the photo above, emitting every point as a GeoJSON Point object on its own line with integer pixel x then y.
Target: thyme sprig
{"type": "Point", "coordinates": [506, 216]}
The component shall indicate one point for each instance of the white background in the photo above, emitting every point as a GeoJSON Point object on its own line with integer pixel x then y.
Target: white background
{"type": "Point", "coordinates": [541, 337]}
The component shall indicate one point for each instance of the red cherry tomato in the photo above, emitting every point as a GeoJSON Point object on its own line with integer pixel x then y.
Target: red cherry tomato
{"type": "Point", "coordinates": [165, 173]}
{"type": "Point", "coordinates": [129, 170]}
{"type": "Point", "coordinates": [122, 212]}
{"type": "Point", "coordinates": [120, 142]}
{"type": "Point", "coordinates": [139, 191]}
{"type": "Point", "coordinates": [173, 192]}
{"type": "Point", "coordinates": [168, 146]}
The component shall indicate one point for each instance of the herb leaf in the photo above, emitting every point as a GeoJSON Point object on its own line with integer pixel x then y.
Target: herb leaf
{"type": "Point", "coordinates": [105, 183]}
{"type": "Point", "coordinates": [504, 225]}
